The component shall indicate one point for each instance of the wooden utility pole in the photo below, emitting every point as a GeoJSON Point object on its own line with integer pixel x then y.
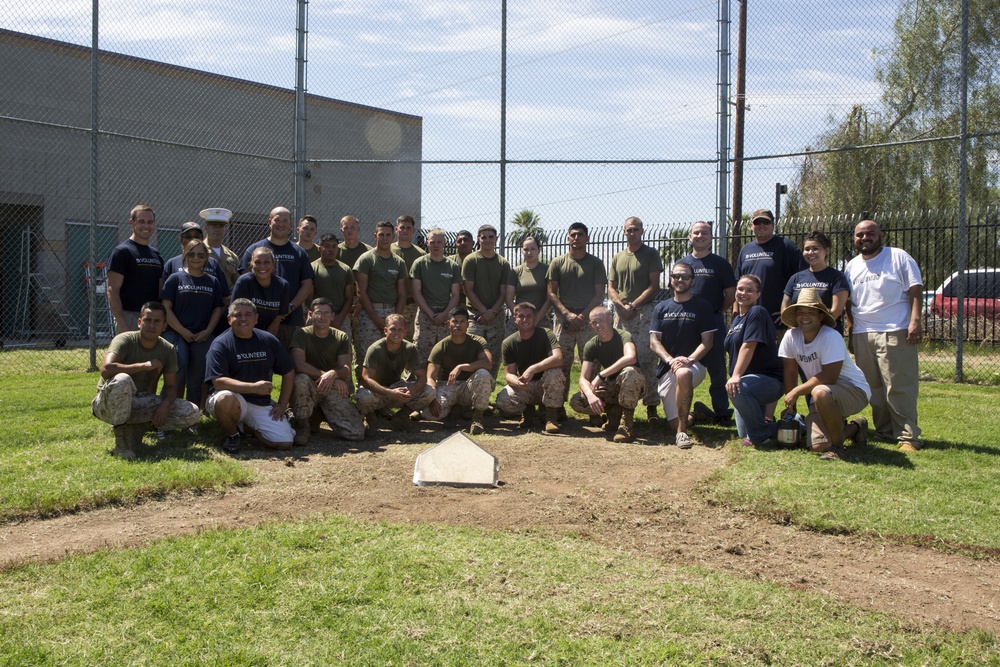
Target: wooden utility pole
{"type": "Point", "coordinates": [741, 90]}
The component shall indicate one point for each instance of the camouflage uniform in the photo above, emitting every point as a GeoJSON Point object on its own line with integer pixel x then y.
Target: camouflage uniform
{"type": "Point", "coordinates": [493, 333]}
{"type": "Point", "coordinates": [340, 413]}
{"type": "Point", "coordinates": [474, 392]}
{"type": "Point", "coordinates": [639, 327]}
{"type": "Point", "coordinates": [370, 402]}
{"type": "Point", "coordinates": [117, 403]}
{"type": "Point", "coordinates": [625, 390]}
{"type": "Point", "coordinates": [548, 391]}
{"type": "Point", "coordinates": [428, 334]}
{"type": "Point", "coordinates": [368, 333]}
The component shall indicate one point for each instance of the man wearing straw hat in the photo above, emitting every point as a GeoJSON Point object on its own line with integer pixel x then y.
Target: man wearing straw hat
{"type": "Point", "coordinates": [834, 387]}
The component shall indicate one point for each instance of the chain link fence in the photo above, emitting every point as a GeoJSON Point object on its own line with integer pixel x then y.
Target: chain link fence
{"type": "Point", "coordinates": [462, 114]}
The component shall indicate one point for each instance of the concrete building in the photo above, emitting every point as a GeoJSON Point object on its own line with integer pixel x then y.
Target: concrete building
{"type": "Point", "coordinates": [179, 140]}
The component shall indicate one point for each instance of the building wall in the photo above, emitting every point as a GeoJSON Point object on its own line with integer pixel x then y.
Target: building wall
{"type": "Point", "coordinates": [181, 140]}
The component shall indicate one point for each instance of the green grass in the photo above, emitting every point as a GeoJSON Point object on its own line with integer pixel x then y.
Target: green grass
{"type": "Point", "coordinates": [334, 591]}
{"type": "Point", "coordinates": [944, 496]}
{"type": "Point", "coordinates": [54, 453]}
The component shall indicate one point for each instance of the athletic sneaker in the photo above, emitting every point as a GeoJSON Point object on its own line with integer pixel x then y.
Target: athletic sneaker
{"type": "Point", "coordinates": [231, 444]}
{"type": "Point", "coordinates": [683, 440]}
{"type": "Point", "coordinates": [161, 436]}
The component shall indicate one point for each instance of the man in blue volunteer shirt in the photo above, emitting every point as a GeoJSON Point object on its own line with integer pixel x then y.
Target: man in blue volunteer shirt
{"type": "Point", "coordinates": [714, 282]}
{"type": "Point", "coordinates": [772, 258]}
{"type": "Point", "coordinates": [241, 366]}
{"type": "Point", "coordinates": [134, 270]}
{"type": "Point", "coordinates": [292, 264]}
{"type": "Point", "coordinates": [683, 331]}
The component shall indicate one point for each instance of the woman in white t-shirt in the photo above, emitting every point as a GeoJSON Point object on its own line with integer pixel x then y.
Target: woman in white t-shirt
{"type": "Point", "coordinates": [834, 387]}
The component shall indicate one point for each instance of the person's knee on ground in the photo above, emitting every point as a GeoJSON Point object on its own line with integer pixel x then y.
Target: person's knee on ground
{"type": "Point", "coordinates": [830, 417]}
{"type": "Point", "coordinates": [227, 412]}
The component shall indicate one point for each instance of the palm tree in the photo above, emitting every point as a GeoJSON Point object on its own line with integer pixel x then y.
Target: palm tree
{"type": "Point", "coordinates": [524, 224]}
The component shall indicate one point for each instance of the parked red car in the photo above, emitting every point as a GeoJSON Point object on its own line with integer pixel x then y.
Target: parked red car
{"type": "Point", "coordinates": [982, 294]}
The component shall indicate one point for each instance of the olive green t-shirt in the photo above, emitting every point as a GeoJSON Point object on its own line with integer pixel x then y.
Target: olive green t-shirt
{"type": "Point", "coordinates": [323, 353]}
{"type": "Point", "coordinates": [447, 354]}
{"type": "Point", "coordinates": [350, 256]}
{"type": "Point", "coordinates": [577, 279]}
{"type": "Point", "coordinates": [524, 353]}
{"type": "Point", "coordinates": [436, 279]}
{"type": "Point", "coordinates": [488, 275]}
{"type": "Point", "coordinates": [606, 354]}
{"type": "Point", "coordinates": [630, 272]}
{"type": "Point", "coordinates": [382, 272]}
{"type": "Point", "coordinates": [409, 256]}
{"type": "Point", "coordinates": [462, 299]}
{"type": "Point", "coordinates": [387, 367]}
{"type": "Point", "coordinates": [129, 350]}
{"type": "Point", "coordinates": [530, 284]}
{"type": "Point", "coordinates": [331, 281]}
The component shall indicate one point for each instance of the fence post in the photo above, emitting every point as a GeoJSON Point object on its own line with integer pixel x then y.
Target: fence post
{"type": "Point", "coordinates": [962, 175]}
{"type": "Point", "coordinates": [300, 113]}
{"type": "Point", "coordinates": [94, 71]}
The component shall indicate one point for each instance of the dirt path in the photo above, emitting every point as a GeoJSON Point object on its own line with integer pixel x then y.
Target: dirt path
{"type": "Point", "coordinates": [635, 498]}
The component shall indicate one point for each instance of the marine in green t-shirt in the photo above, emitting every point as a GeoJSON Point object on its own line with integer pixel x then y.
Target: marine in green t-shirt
{"type": "Point", "coordinates": [334, 280]}
{"type": "Point", "coordinates": [605, 353]}
{"type": "Point", "coordinates": [447, 354]}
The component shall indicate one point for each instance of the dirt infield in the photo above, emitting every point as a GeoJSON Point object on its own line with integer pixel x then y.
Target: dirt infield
{"type": "Point", "coordinates": [636, 498]}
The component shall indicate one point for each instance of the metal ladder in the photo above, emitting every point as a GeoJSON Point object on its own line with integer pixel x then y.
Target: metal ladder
{"type": "Point", "coordinates": [34, 283]}
{"type": "Point", "coordinates": [105, 321]}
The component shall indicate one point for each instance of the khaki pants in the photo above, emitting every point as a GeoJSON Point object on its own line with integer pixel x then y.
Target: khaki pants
{"type": "Point", "coordinates": [891, 369]}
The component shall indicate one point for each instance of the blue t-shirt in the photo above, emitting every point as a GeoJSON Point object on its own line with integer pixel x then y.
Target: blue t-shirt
{"type": "Point", "coordinates": [827, 282]}
{"type": "Point", "coordinates": [142, 266]}
{"type": "Point", "coordinates": [271, 301]}
{"type": "Point", "coordinates": [259, 357]}
{"type": "Point", "coordinates": [193, 298]}
{"type": "Point", "coordinates": [680, 326]}
{"type": "Point", "coordinates": [755, 327]}
{"type": "Point", "coordinates": [712, 276]}
{"type": "Point", "coordinates": [774, 263]}
{"type": "Point", "coordinates": [291, 263]}
{"type": "Point", "coordinates": [174, 265]}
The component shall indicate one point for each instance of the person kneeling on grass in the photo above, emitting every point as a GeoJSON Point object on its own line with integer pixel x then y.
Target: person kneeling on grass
{"type": "Point", "coordinates": [241, 365]}
{"type": "Point", "coordinates": [126, 394]}
{"type": "Point", "coordinates": [382, 374]}
{"type": "Point", "coordinates": [458, 369]}
{"type": "Point", "coordinates": [834, 386]}
{"type": "Point", "coordinates": [609, 378]}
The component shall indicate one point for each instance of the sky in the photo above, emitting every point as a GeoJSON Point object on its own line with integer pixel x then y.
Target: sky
{"type": "Point", "coordinates": [586, 80]}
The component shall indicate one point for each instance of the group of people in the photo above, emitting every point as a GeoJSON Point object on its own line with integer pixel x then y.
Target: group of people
{"type": "Point", "coordinates": [362, 334]}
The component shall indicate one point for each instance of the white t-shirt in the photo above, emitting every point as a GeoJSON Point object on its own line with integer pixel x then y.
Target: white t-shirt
{"type": "Point", "coordinates": [879, 299]}
{"type": "Point", "coordinates": [827, 348]}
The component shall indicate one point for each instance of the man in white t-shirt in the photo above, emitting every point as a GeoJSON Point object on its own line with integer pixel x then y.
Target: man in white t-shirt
{"type": "Point", "coordinates": [884, 317]}
{"type": "Point", "coordinates": [836, 387]}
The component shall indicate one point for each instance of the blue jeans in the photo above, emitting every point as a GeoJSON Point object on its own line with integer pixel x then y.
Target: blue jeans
{"type": "Point", "coordinates": [756, 391]}
{"type": "Point", "coordinates": [715, 363]}
{"type": "Point", "coordinates": [190, 365]}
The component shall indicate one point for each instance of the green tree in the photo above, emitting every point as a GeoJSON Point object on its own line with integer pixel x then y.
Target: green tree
{"type": "Point", "coordinates": [524, 224]}
{"type": "Point", "coordinates": [920, 77]}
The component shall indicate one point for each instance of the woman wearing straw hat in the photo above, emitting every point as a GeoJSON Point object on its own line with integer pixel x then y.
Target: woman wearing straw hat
{"type": "Point", "coordinates": [834, 386]}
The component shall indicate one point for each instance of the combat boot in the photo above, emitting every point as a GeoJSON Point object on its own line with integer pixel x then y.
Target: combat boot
{"type": "Point", "coordinates": [302, 432]}
{"type": "Point", "coordinates": [624, 433]}
{"type": "Point", "coordinates": [476, 425]}
{"type": "Point", "coordinates": [614, 418]}
{"type": "Point", "coordinates": [123, 447]}
{"type": "Point", "coordinates": [401, 421]}
{"type": "Point", "coordinates": [552, 420]}
{"type": "Point", "coordinates": [372, 425]}
{"type": "Point", "coordinates": [527, 417]}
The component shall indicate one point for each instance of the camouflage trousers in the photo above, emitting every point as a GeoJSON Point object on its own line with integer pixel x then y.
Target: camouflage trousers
{"type": "Point", "coordinates": [625, 390]}
{"type": "Point", "coordinates": [370, 402]}
{"type": "Point", "coordinates": [368, 333]}
{"type": "Point", "coordinates": [494, 335]}
{"type": "Point", "coordinates": [340, 413]}
{"type": "Point", "coordinates": [548, 391]}
{"type": "Point", "coordinates": [117, 403]}
{"type": "Point", "coordinates": [569, 343]}
{"type": "Point", "coordinates": [639, 327]}
{"type": "Point", "coordinates": [472, 393]}
{"type": "Point", "coordinates": [427, 334]}
{"type": "Point", "coordinates": [410, 314]}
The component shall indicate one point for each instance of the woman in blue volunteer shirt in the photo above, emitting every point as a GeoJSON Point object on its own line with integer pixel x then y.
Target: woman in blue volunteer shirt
{"type": "Point", "coordinates": [194, 302]}
{"type": "Point", "coordinates": [830, 284]}
{"type": "Point", "coordinates": [754, 367]}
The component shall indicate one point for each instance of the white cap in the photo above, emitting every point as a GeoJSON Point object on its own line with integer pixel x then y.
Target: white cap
{"type": "Point", "coordinates": [216, 215]}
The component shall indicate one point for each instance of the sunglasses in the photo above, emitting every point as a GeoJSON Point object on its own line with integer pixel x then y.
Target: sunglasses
{"type": "Point", "coordinates": [681, 276]}
{"type": "Point", "coordinates": [197, 255]}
